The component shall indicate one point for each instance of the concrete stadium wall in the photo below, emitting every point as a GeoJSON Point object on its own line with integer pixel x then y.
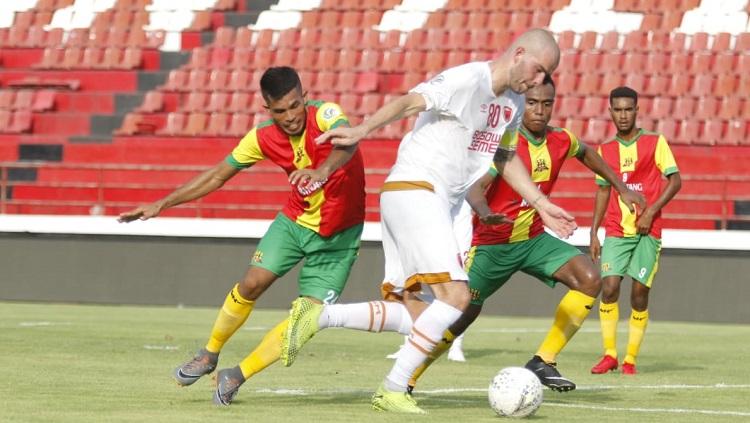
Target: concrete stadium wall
{"type": "Point", "coordinates": [692, 285]}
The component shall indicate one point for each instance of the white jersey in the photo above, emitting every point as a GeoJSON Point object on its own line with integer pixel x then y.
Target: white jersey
{"type": "Point", "coordinates": [455, 138]}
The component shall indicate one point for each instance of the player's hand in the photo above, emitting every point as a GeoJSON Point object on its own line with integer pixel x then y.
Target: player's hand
{"type": "Point", "coordinates": [595, 248]}
{"type": "Point", "coordinates": [557, 219]}
{"type": "Point", "coordinates": [633, 199]}
{"type": "Point", "coordinates": [495, 219]}
{"type": "Point", "coordinates": [308, 180]}
{"type": "Point", "coordinates": [140, 213]}
{"type": "Point", "coordinates": [644, 222]}
{"type": "Point", "coordinates": [342, 136]}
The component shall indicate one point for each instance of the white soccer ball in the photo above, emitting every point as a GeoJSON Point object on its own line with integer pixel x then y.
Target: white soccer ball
{"type": "Point", "coordinates": [515, 392]}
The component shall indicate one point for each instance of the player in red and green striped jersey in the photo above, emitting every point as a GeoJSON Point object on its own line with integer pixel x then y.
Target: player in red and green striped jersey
{"type": "Point", "coordinates": [321, 222]}
{"type": "Point", "coordinates": [633, 240]}
{"type": "Point", "coordinates": [509, 236]}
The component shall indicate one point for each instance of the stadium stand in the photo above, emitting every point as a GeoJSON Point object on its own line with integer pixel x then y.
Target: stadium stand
{"type": "Point", "coordinates": [95, 88]}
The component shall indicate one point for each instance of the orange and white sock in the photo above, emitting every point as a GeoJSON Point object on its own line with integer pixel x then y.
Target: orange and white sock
{"type": "Point", "coordinates": [373, 316]}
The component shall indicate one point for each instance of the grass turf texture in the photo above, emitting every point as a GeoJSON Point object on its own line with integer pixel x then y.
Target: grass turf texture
{"type": "Point", "coordinates": [74, 363]}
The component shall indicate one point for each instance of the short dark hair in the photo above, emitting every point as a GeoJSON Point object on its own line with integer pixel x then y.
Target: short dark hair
{"type": "Point", "coordinates": [277, 82]}
{"type": "Point", "coordinates": [548, 80]}
{"type": "Point", "coordinates": [621, 92]}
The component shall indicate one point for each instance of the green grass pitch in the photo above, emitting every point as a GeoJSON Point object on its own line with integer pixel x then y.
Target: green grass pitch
{"type": "Point", "coordinates": [75, 363]}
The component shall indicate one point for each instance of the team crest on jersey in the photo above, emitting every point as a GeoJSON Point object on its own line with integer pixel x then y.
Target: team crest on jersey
{"type": "Point", "coordinates": [330, 113]}
{"type": "Point", "coordinates": [483, 108]}
{"type": "Point", "coordinates": [507, 113]}
{"type": "Point", "coordinates": [474, 294]}
{"type": "Point", "coordinates": [606, 267]}
{"type": "Point", "coordinates": [437, 80]}
{"type": "Point", "coordinates": [258, 257]}
{"type": "Point", "coordinates": [299, 153]}
{"type": "Point", "coordinates": [541, 166]}
{"type": "Point", "coordinates": [628, 162]}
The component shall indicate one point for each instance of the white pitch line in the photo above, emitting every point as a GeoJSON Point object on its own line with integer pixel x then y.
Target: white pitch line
{"type": "Point", "coordinates": [42, 323]}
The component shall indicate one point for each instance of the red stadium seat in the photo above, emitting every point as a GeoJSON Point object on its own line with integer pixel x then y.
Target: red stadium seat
{"type": "Point", "coordinates": [706, 108]}
{"type": "Point", "coordinates": [589, 83]}
{"type": "Point", "coordinates": [348, 59]}
{"type": "Point", "coordinates": [661, 107]}
{"type": "Point", "coordinates": [218, 80]}
{"type": "Point", "coordinates": [633, 62]}
{"type": "Point", "coordinates": [712, 133]}
{"type": "Point", "coordinates": [21, 122]}
{"type": "Point", "coordinates": [725, 85]}
{"type": "Point", "coordinates": [679, 85]}
{"type": "Point", "coordinates": [239, 102]}
{"type": "Point", "coordinates": [288, 38]}
{"type": "Point", "coordinates": [635, 41]}
{"type": "Point", "coordinates": [174, 125]}
{"type": "Point", "coordinates": [699, 41]}
{"type": "Point", "coordinates": [92, 58]}
{"type": "Point", "coordinates": [306, 59]}
{"type": "Point", "coordinates": [700, 62]}
{"type": "Point", "coordinates": [568, 106]}
{"type": "Point", "coordinates": [23, 100]}
{"type": "Point", "coordinates": [566, 40]}
{"type": "Point", "coordinates": [667, 127]}
{"type": "Point", "coordinates": [197, 80]}
{"type": "Point", "coordinates": [153, 102]}
{"type": "Point", "coordinates": [587, 41]}
{"type": "Point", "coordinates": [132, 58]}
{"type": "Point", "coordinates": [351, 19]}
{"type": "Point", "coordinates": [677, 42]}
{"type": "Point", "coordinates": [611, 61]}
{"type": "Point", "coordinates": [576, 126]}
{"type": "Point", "coordinates": [129, 124]}
{"type": "Point", "coordinates": [195, 101]}
{"type": "Point", "coordinates": [635, 81]}
{"type": "Point", "coordinates": [610, 81]}
{"type": "Point", "coordinates": [657, 62]}
{"type": "Point", "coordinates": [217, 102]}
{"type": "Point", "coordinates": [239, 80]}
{"type": "Point", "coordinates": [657, 85]}
{"type": "Point", "coordinates": [369, 104]}
{"type": "Point", "coordinates": [325, 81]}
{"type": "Point", "coordinates": [721, 42]}
{"type": "Point", "coordinates": [684, 107]}
{"type": "Point", "coordinates": [220, 57]}
{"type": "Point", "coordinates": [651, 21]}
{"type": "Point", "coordinates": [540, 18]}
{"type": "Point", "coordinates": [196, 124]}
{"type": "Point", "coordinates": [476, 20]}
{"type": "Point", "coordinates": [730, 107]}
{"type": "Point", "coordinates": [742, 43]}
{"type": "Point", "coordinates": [6, 117]}
{"type": "Point", "coordinates": [6, 99]}
{"type": "Point", "coordinates": [592, 107]}
{"type": "Point", "coordinates": [176, 80]}
{"type": "Point", "coordinates": [689, 132]}
{"type": "Point", "coordinates": [589, 61]}
{"type": "Point", "coordinates": [349, 102]}
{"type": "Point", "coordinates": [217, 124]}
{"type": "Point", "coordinates": [199, 58]}
{"type": "Point", "coordinates": [351, 39]}
{"type": "Point", "coordinates": [736, 132]}
{"type": "Point", "coordinates": [702, 85]}
{"type": "Point", "coordinates": [392, 61]}
{"type": "Point", "coordinates": [240, 124]}
{"type": "Point", "coordinates": [262, 59]}
{"type": "Point", "coordinates": [597, 131]}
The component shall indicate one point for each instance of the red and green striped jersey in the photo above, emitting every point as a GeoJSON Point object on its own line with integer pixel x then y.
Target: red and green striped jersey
{"type": "Point", "coordinates": [543, 158]}
{"type": "Point", "coordinates": [340, 202]}
{"type": "Point", "coordinates": [640, 163]}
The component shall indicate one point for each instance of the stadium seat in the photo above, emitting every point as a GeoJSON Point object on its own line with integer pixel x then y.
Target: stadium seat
{"type": "Point", "coordinates": [369, 104]}
{"type": "Point", "coordinates": [217, 124]}
{"type": "Point", "coordinates": [239, 80]}
{"type": "Point", "coordinates": [195, 101]}
{"type": "Point", "coordinates": [684, 107]}
{"type": "Point", "coordinates": [611, 61]}
{"type": "Point", "coordinates": [568, 106]}
{"type": "Point", "coordinates": [661, 107]}
{"type": "Point", "coordinates": [656, 85]}
{"type": "Point", "coordinates": [220, 57]}
{"type": "Point", "coordinates": [706, 107]}
{"type": "Point", "coordinates": [635, 81]}
{"type": "Point", "coordinates": [679, 85]}
{"type": "Point", "coordinates": [349, 103]}
{"type": "Point", "coordinates": [587, 41]}
{"type": "Point", "coordinates": [589, 84]}
{"type": "Point", "coordinates": [576, 126]}
{"type": "Point", "coordinates": [196, 124]}
{"type": "Point", "coordinates": [176, 80]}
{"type": "Point", "coordinates": [350, 39]}
{"type": "Point", "coordinates": [288, 38]}
{"type": "Point", "coordinates": [736, 132]}
{"type": "Point", "coordinates": [700, 62]}
{"type": "Point", "coordinates": [129, 124]}
{"type": "Point", "coordinates": [667, 127]}
{"type": "Point", "coordinates": [610, 81]}
{"type": "Point", "coordinates": [197, 80]}
{"type": "Point", "coordinates": [199, 58]}
{"type": "Point", "coordinates": [152, 102]}
{"type": "Point", "coordinates": [6, 99]}
{"type": "Point", "coordinates": [23, 100]}
{"type": "Point", "coordinates": [702, 85]}
{"type": "Point", "coordinates": [589, 61]}
{"type": "Point", "coordinates": [730, 107]}
{"type": "Point", "coordinates": [633, 62]}
{"type": "Point", "coordinates": [217, 101]}
{"type": "Point", "coordinates": [725, 85]}
{"type": "Point", "coordinates": [6, 117]}
{"type": "Point", "coordinates": [689, 132]}
{"type": "Point", "coordinates": [239, 102]}
{"type": "Point", "coordinates": [218, 80]}
{"type": "Point", "coordinates": [712, 133]}
{"type": "Point", "coordinates": [348, 58]}
{"type": "Point", "coordinates": [21, 122]}
{"type": "Point", "coordinates": [239, 124]}
{"type": "Point", "coordinates": [657, 62]}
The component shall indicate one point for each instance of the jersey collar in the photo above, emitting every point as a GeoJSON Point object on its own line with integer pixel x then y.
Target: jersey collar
{"type": "Point", "coordinates": [630, 142]}
{"type": "Point", "coordinates": [532, 139]}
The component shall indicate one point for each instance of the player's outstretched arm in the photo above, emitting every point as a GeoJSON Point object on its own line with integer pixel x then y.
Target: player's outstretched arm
{"type": "Point", "coordinates": [595, 162]}
{"type": "Point", "coordinates": [513, 171]}
{"type": "Point", "coordinates": [207, 182]}
{"type": "Point", "coordinates": [338, 157]}
{"type": "Point", "coordinates": [674, 183]}
{"type": "Point", "coordinates": [401, 107]}
{"type": "Point", "coordinates": [600, 206]}
{"type": "Point", "coordinates": [478, 201]}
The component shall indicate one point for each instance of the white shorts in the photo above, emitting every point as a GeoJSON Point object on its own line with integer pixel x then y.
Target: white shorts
{"type": "Point", "coordinates": [420, 244]}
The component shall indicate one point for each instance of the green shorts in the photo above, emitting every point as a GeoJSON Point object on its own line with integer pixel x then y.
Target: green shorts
{"type": "Point", "coordinates": [490, 266]}
{"type": "Point", "coordinates": [637, 257]}
{"type": "Point", "coordinates": [328, 260]}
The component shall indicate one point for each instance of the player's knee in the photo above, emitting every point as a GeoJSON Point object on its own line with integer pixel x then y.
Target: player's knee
{"type": "Point", "coordinates": [590, 283]}
{"type": "Point", "coordinates": [458, 298]}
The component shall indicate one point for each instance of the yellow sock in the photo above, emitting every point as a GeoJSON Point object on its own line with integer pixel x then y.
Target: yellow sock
{"type": "Point", "coordinates": [439, 349]}
{"type": "Point", "coordinates": [266, 353]}
{"type": "Point", "coordinates": [232, 315]}
{"type": "Point", "coordinates": [609, 314]}
{"type": "Point", "coordinates": [638, 323]}
{"type": "Point", "coordinates": [570, 314]}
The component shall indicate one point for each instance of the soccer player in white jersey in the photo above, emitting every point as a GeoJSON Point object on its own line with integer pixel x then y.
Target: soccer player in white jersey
{"type": "Point", "coordinates": [468, 117]}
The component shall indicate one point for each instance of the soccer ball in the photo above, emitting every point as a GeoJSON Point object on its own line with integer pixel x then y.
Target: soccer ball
{"type": "Point", "coordinates": [515, 392]}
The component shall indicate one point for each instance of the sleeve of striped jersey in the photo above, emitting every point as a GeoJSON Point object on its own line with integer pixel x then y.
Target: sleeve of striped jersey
{"type": "Point", "coordinates": [575, 145]}
{"type": "Point", "coordinates": [599, 180]}
{"type": "Point", "coordinates": [330, 116]}
{"type": "Point", "coordinates": [664, 158]}
{"type": "Point", "coordinates": [492, 170]}
{"type": "Point", "coordinates": [247, 152]}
